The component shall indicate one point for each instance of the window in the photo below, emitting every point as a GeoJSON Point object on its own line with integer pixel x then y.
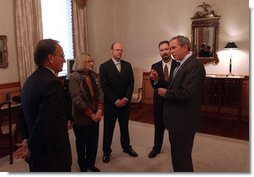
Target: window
{"type": "Point", "coordinates": [57, 24]}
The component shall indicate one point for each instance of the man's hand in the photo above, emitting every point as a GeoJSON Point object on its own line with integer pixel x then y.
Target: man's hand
{"type": "Point", "coordinates": [121, 103]}
{"type": "Point", "coordinates": [154, 75]}
{"type": "Point", "coordinates": [162, 91]}
{"type": "Point", "coordinates": [22, 151]}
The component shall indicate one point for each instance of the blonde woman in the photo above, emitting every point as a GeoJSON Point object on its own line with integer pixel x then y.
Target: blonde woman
{"type": "Point", "coordinates": [87, 104]}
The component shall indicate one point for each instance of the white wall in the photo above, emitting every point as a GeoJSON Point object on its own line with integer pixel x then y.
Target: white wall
{"type": "Point", "coordinates": [100, 29]}
{"type": "Point", "coordinates": [10, 74]}
{"type": "Point", "coordinates": [141, 24]}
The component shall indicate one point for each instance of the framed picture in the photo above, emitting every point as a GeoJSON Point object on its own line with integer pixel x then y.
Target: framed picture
{"type": "Point", "coordinates": [3, 52]}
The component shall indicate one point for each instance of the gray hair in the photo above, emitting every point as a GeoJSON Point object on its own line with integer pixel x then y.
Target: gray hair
{"type": "Point", "coordinates": [182, 40]}
{"type": "Point", "coordinates": [79, 64]}
{"type": "Point", "coordinates": [43, 49]}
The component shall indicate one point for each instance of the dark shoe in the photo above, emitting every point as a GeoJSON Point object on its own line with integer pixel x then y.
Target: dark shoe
{"type": "Point", "coordinates": [83, 169]}
{"type": "Point", "coordinates": [93, 169]}
{"type": "Point", "coordinates": [131, 152]}
{"type": "Point", "coordinates": [153, 154]}
{"type": "Point", "coordinates": [105, 158]}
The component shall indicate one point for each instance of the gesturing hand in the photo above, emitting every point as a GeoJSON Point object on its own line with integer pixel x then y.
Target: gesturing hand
{"type": "Point", "coordinates": [154, 75]}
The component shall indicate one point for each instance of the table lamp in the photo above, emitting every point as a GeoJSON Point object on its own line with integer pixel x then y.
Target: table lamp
{"type": "Point", "coordinates": [231, 46]}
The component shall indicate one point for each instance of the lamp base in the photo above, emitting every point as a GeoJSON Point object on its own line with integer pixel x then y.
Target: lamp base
{"type": "Point", "coordinates": [230, 75]}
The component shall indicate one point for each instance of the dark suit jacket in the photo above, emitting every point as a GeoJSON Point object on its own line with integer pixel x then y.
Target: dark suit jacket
{"type": "Point", "coordinates": [182, 106]}
{"type": "Point", "coordinates": [158, 100]}
{"type": "Point", "coordinates": [116, 85]}
{"type": "Point", "coordinates": [43, 122]}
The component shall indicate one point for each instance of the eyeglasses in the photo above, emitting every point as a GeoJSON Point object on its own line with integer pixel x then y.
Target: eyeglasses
{"type": "Point", "coordinates": [89, 61]}
{"type": "Point", "coordinates": [62, 56]}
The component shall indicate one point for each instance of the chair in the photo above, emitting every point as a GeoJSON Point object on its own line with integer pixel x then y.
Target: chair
{"type": "Point", "coordinates": [6, 129]}
{"type": "Point", "coordinates": [138, 86]}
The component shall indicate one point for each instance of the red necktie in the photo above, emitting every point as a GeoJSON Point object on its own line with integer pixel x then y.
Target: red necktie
{"type": "Point", "coordinates": [165, 72]}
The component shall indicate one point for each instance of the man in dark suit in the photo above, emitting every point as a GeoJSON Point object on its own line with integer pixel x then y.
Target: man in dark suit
{"type": "Point", "coordinates": [117, 82]}
{"type": "Point", "coordinates": [182, 103]}
{"type": "Point", "coordinates": [160, 76]}
{"type": "Point", "coordinates": [42, 123]}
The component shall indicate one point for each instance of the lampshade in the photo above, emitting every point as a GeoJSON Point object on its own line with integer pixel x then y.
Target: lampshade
{"type": "Point", "coordinates": [231, 45]}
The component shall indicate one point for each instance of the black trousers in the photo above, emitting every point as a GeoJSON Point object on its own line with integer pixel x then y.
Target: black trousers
{"type": "Point", "coordinates": [181, 149]}
{"type": "Point", "coordinates": [158, 131]}
{"type": "Point", "coordinates": [86, 144]}
{"type": "Point", "coordinates": [110, 117]}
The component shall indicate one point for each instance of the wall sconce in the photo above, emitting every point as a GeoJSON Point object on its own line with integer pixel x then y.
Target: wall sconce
{"type": "Point", "coordinates": [231, 46]}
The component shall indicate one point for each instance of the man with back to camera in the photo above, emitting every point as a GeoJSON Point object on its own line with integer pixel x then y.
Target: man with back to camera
{"type": "Point", "coordinates": [160, 76]}
{"type": "Point", "coordinates": [117, 82]}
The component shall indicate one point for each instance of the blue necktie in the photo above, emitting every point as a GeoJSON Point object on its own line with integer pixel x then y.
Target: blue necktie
{"type": "Point", "coordinates": [176, 69]}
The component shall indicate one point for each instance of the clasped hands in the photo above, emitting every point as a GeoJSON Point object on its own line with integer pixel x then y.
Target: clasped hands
{"type": "Point", "coordinates": [121, 102]}
{"type": "Point", "coordinates": [155, 77]}
{"type": "Point", "coordinates": [97, 116]}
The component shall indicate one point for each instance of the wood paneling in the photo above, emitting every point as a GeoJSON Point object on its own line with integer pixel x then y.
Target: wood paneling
{"type": "Point", "coordinates": [13, 89]}
{"type": "Point", "coordinates": [147, 89]}
{"type": "Point", "coordinates": [245, 99]}
{"type": "Point", "coordinates": [223, 97]}
{"type": "Point", "coordinates": [226, 98]}
{"type": "Point", "coordinates": [220, 127]}
{"type": "Point", "coordinates": [225, 107]}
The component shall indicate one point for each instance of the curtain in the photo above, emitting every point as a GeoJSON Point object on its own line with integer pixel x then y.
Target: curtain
{"type": "Point", "coordinates": [79, 28]}
{"type": "Point", "coordinates": [81, 3]}
{"type": "Point", "coordinates": [28, 29]}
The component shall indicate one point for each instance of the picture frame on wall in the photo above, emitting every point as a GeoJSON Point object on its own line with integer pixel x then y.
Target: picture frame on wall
{"type": "Point", "coordinates": [3, 52]}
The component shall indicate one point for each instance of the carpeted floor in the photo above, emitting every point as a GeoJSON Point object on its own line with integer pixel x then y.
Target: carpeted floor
{"type": "Point", "coordinates": [210, 154]}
